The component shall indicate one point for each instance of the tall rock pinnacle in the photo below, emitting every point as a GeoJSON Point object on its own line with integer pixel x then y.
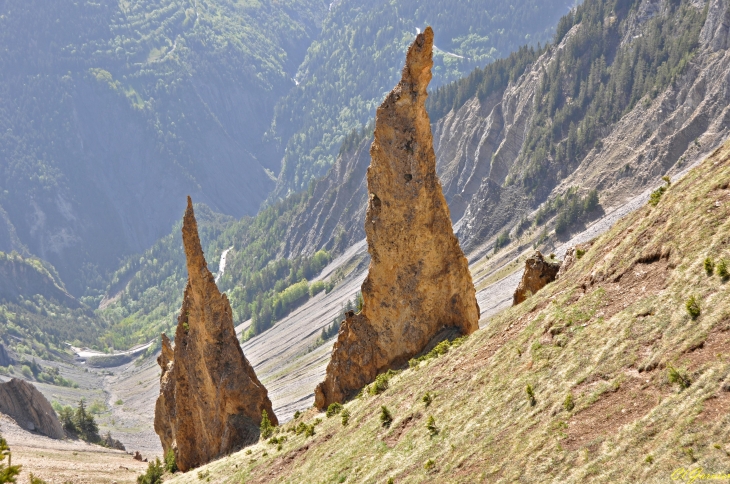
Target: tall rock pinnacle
{"type": "Point", "coordinates": [210, 401]}
{"type": "Point", "coordinates": [419, 281]}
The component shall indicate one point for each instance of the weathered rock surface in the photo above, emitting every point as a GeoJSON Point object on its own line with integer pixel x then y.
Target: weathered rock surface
{"type": "Point", "coordinates": [568, 260]}
{"type": "Point", "coordinates": [210, 401]}
{"type": "Point", "coordinates": [538, 273]}
{"type": "Point", "coordinates": [27, 406]}
{"type": "Point", "coordinates": [418, 281]}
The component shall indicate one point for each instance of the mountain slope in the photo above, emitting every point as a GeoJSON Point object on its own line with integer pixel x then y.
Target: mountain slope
{"type": "Point", "coordinates": [609, 374]}
{"type": "Point", "coordinates": [112, 112]}
{"type": "Point", "coordinates": [356, 60]}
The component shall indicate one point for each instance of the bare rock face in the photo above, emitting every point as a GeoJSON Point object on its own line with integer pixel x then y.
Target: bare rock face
{"type": "Point", "coordinates": [538, 273]}
{"type": "Point", "coordinates": [568, 260]}
{"type": "Point", "coordinates": [419, 281]}
{"type": "Point", "coordinates": [29, 408]}
{"type": "Point", "coordinates": [210, 401]}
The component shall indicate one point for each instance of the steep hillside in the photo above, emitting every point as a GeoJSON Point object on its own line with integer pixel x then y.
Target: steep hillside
{"type": "Point", "coordinates": [619, 102]}
{"type": "Point", "coordinates": [111, 112]}
{"type": "Point", "coordinates": [357, 59]}
{"type": "Point", "coordinates": [615, 372]}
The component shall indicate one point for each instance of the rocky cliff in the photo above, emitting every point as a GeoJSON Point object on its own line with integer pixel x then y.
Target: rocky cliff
{"type": "Point", "coordinates": [418, 281]}
{"type": "Point", "coordinates": [29, 408]}
{"type": "Point", "coordinates": [538, 273]}
{"type": "Point", "coordinates": [210, 401]}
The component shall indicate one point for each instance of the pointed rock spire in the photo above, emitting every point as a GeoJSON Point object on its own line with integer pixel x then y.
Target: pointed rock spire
{"type": "Point", "coordinates": [210, 401]}
{"type": "Point", "coordinates": [419, 281]}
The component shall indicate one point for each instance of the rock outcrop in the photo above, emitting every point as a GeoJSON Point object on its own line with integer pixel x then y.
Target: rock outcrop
{"type": "Point", "coordinates": [210, 401]}
{"type": "Point", "coordinates": [538, 273]}
{"type": "Point", "coordinates": [418, 281]}
{"type": "Point", "coordinates": [29, 408]}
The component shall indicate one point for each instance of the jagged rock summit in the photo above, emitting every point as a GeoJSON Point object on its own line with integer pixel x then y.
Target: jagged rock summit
{"type": "Point", "coordinates": [210, 401]}
{"type": "Point", "coordinates": [29, 408]}
{"type": "Point", "coordinates": [539, 272]}
{"type": "Point", "coordinates": [418, 282]}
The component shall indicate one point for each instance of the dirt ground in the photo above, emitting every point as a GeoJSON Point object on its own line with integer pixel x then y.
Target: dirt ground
{"type": "Point", "coordinates": [67, 461]}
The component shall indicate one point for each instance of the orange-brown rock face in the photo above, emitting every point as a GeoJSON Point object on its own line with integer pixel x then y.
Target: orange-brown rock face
{"type": "Point", "coordinates": [419, 281]}
{"type": "Point", "coordinates": [538, 273]}
{"type": "Point", "coordinates": [210, 399]}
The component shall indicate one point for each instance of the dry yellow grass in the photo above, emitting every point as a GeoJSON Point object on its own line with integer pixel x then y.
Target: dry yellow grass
{"type": "Point", "coordinates": [614, 334]}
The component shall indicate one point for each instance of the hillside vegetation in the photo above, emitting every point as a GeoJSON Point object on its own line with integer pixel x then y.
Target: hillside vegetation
{"type": "Point", "coordinates": [352, 66]}
{"type": "Point", "coordinates": [616, 372]}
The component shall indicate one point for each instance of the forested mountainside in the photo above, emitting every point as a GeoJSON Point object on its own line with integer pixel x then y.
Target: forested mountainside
{"type": "Point", "coordinates": [496, 127]}
{"type": "Point", "coordinates": [111, 112]}
{"type": "Point", "coordinates": [357, 59]}
{"type": "Point", "coordinates": [630, 92]}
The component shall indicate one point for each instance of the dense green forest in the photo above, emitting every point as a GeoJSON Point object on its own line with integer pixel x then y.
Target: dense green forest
{"type": "Point", "coordinates": [358, 58]}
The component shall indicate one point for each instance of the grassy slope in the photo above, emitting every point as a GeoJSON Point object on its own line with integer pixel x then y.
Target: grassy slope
{"type": "Point", "coordinates": [606, 333]}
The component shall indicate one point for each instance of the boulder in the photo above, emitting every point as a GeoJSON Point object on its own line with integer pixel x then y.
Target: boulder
{"type": "Point", "coordinates": [538, 273]}
{"type": "Point", "coordinates": [418, 282]}
{"type": "Point", "coordinates": [210, 401]}
{"type": "Point", "coordinates": [29, 408]}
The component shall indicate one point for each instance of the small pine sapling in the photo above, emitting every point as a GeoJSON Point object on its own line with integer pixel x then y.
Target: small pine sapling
{"type": "Point", "coordinates": [431, 426]}
{"type": "Point", "coordinates": [530, 395]}
{"type": "Point", "coordinates": [385, 417]}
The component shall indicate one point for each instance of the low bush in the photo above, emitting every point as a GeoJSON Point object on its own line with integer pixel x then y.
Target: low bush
{"type": "Point", "coordinates": [569, 402]}
{"type": "Point", "coordinates": [530, 395]}
{"type": "Point", "coordinates": [693, 307]}
{"type": "Point", "coordinates": [334, 409]}
{"type": "Point", "coordinates": [677, 377]}
{"type": "Point", "coordinates": [385, 417]}
{"type": "Point", "coordinates": [427, 399]}
{"type": "Point", "coordinates": [709, 266]}
{"type": "Point", "coordinates": [345, 417]}
{"type": "Point", "coordinates": [154, 473]}
{"type": "Point", "coordinates": [722, 270]}
{"type": "Point", "coordinates": [431, 426]}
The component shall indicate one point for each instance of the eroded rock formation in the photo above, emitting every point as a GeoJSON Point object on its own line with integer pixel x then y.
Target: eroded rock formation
{"type": "Point", "coordinates": [29, 408]}
{"type": "Point", "coordinates": [210, 401]}
{"type": "Point", "coordinates": [538, 273]}
{"type": "Point", "coordinates": [418, 281]}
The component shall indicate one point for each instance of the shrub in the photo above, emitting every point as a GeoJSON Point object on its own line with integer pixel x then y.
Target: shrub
{"type": "Point", "coordinates": [334, 409]}
{"type": "Point", "coordinates": [722, 269]}
{"type": "Point", "coordinates": [656, 195]}
{"type": "Point", "coordinates": [579, 253]}
{"type": "Point", "coordinates": [569, 403]}
{"type": "Point", "coordinates": [309, 431]}
{"type": "Point", "coordinates": [427, 399]}
{"type": "Point", "coordinates": [431, 426]}
{"type": "Point", "coordinates": [530, 395]}
{"type": "Point", "coordinates": [119, 402]}
{"type": "Point", "coordinates": [693, 307]}
{"type": "Point", "coordinates": [153, 474]}
{"type": "Point", "coordinates": [709, 266]}
{"type": "Point", "coordinates": [429, 465]}
{"type": "Point", "coordinates": [26, 371]}
{"type": "Point", "coordinates": [675, 376]}
{"type": "Point", "coordinates": [297, 414]}
{"type": "Point", "coordinates": [381, 383]}
{"type": "Point", "coordinates": [266, 428]}
{"type": "Point", "coordinates": [316, 288]}
{"type": "Point", "coordinates": [9, 471]}
{"type": "Point", "coordinates": [170, 461]}
{"type": "Point", "coordinates": [345, 417]}
{"type": "Point", "coordinates": [501, 241]}
{"type": "Point", "coordinates": [385, 417]}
